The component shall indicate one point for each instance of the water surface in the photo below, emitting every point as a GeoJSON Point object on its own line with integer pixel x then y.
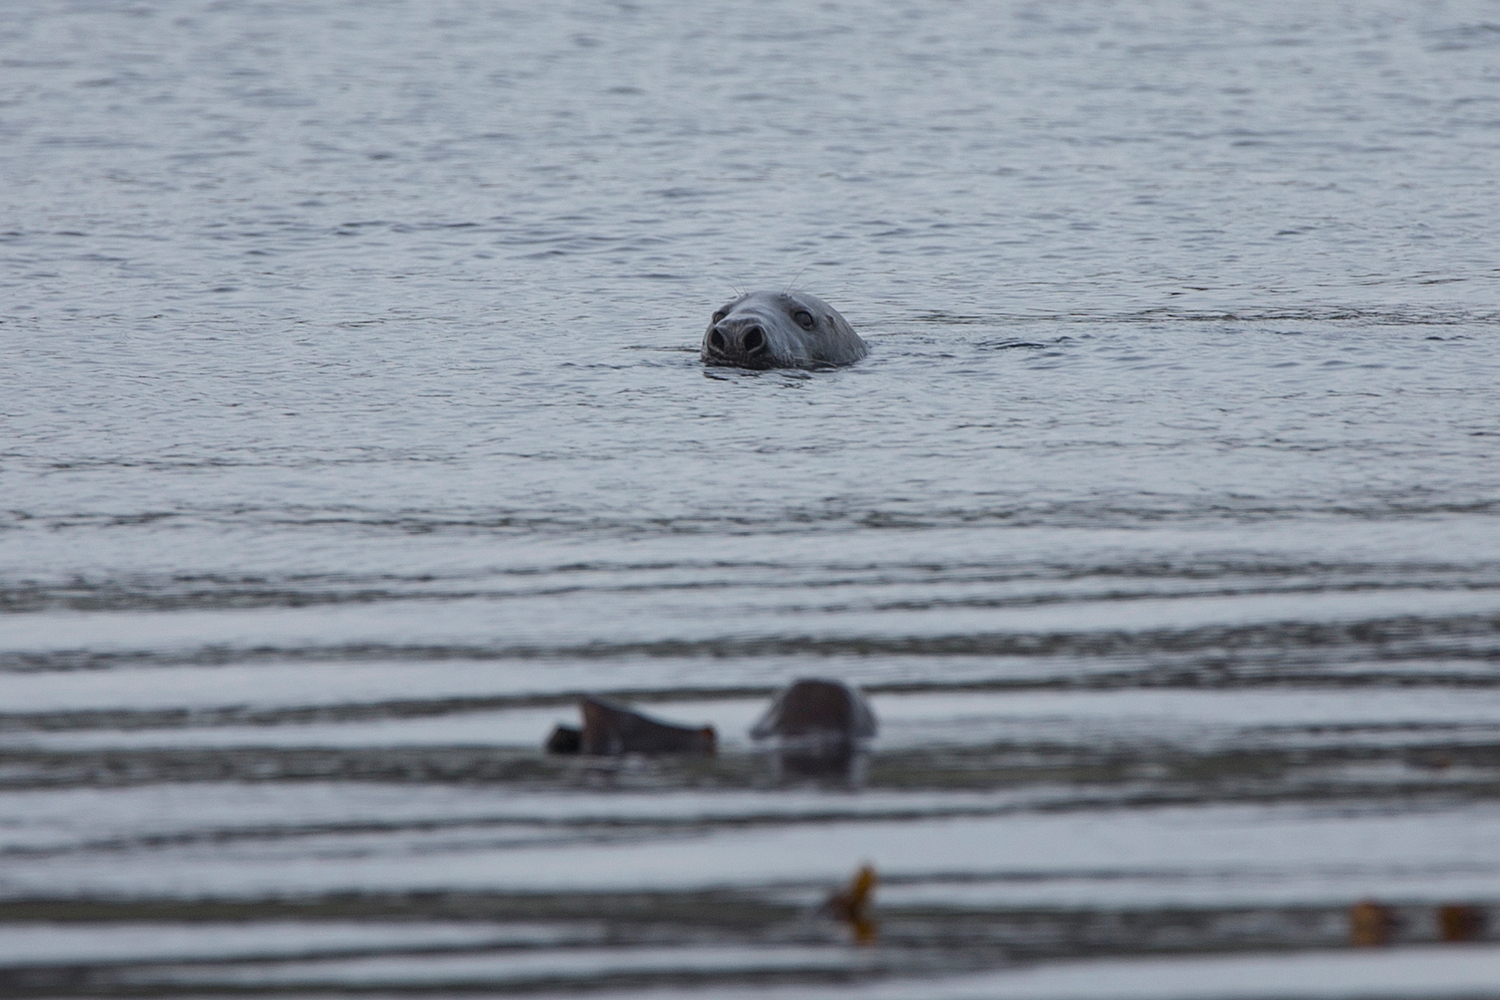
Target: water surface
{"type": "Point", "coordinates": [351, 425]}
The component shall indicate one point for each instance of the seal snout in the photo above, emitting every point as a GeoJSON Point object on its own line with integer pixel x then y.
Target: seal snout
{"type": "Point", "coordinates": [780, 330]}
{"type": "Point", "coordinates": [732, 340]}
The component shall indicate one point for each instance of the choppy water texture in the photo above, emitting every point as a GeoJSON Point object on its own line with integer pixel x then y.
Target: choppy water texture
{"type": "Point", "coordinates": [353, 424]}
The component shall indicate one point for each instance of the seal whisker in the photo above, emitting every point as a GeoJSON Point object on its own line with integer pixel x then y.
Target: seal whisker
{"type": "Point", "coordinates": [797, 277]}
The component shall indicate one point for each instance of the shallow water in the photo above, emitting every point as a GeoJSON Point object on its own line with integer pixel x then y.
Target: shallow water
{"type": "Point", "coordinates": [351, 424]}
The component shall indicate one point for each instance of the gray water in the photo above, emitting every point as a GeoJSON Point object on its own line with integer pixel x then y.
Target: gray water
{"type": "Point", "coordinates": [352, 424]}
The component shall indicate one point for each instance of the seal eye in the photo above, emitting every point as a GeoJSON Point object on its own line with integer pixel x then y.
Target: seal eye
{"type": "Point", "coordinates": [719, 315]}
{"type": "Point", "coordinates": [804, 319]}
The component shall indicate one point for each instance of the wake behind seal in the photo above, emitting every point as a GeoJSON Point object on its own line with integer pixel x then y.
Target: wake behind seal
{"type": "Point", "coordinates": [780, 330]}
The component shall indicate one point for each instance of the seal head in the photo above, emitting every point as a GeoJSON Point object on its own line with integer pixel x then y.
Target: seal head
{"type": "Point", "coordinates": [819, 729]}
{"type": "Point", "coordinates": [780, 330]}
{"type": "Point", "coordinates": [813, 707]}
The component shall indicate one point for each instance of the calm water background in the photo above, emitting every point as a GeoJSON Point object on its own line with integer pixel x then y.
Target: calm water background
{"type": "Point", "coordinates": [351, 423]}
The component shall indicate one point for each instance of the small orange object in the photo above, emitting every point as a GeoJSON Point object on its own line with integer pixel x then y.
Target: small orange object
{"type": "Point", "coordinates": [851, 905]}
{"type": "Point", "coordinates": [1460, 922]}
{"type": "Point", "coordinates": [1370, 924]}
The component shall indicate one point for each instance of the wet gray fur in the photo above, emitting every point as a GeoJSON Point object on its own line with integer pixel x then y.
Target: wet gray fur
{"type": "Point", "coordinates": [780, 330]}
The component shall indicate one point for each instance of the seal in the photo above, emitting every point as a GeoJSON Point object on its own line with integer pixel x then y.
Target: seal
{"type": "Point", "coordinates": [610, 729]}
{"type": "Point", "coordinates": [818, 729]}
{"type": "Point", "coordinates": [780, 330]}
{"type": "Point", "coordinates": [813, 707]}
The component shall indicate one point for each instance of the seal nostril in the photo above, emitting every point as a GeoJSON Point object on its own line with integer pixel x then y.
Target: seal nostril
{"type": "Point", "coordinates": [716, 340]}
{"type": "Point", "coordinates": [755, 339]}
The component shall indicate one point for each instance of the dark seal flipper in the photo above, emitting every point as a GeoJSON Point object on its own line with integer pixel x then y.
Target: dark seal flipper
{"type": "Point", "coordinates": [610, 730]}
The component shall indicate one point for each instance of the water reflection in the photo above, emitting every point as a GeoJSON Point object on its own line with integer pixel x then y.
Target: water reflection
{"type": "Point", "coordinates": [831, 761]}
{"type": "Point", "coordinates": [356, 423]}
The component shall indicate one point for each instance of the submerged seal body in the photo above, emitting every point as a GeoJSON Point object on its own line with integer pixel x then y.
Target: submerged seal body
{"type": "Point", "coordinates": [780, 330]}
{"type": "Point", "coordinates": [610, 730]}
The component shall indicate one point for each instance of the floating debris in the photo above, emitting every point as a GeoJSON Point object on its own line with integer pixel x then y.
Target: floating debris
{"type": "Point", "coordinates": [610, 730]}
{"type": "Point", "coordinates": [1371, 924]}
{"type": "Point", "coordinates": [852, 905]}
{"type": "Point", "coordinates": [1461, 922]}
